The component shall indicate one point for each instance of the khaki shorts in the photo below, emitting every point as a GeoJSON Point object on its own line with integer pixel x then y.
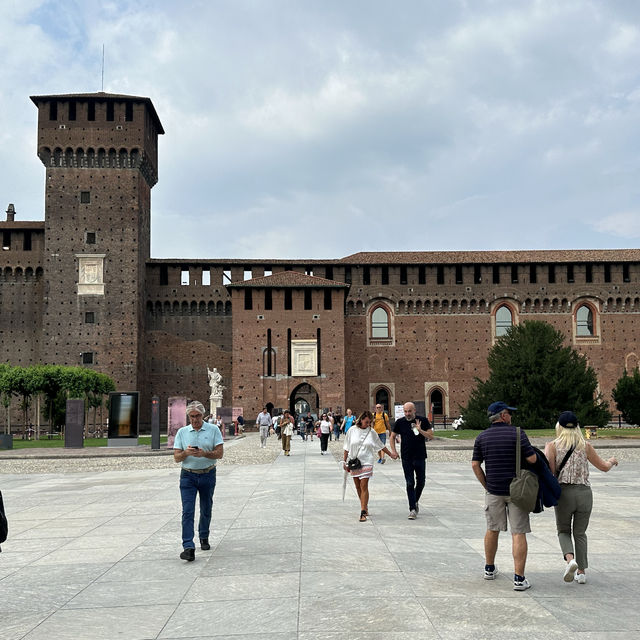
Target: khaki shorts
{"type": "Point", "coordinates": [498, 508]}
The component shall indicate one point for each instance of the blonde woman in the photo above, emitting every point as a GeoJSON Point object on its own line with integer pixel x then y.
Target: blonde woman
{"type": "Point", "coordinates": [363, 443]}
{"type": "Point", "coordinates": [569, 456]}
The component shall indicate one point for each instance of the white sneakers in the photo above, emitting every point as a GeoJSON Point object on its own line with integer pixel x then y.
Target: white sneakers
{"type": "Point", "coordinates": [491, 575]}
{"type": "Point", "coordinates": [412, 514]}
{"type": "Point", "coordinates": [521, 585]}
{"type": "Point", "coordinates": [581, 578]}
{"type": "Point", "coordinates": [570, 570]}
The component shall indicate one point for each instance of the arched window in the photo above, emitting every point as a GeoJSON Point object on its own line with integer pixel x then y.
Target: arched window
{"type": "Point", "coordinates": [437, 404]}
{"type": "Point", "coordinates": [584, 321]}
{"type": "Point", "coordinates": [504, 320]}
{"type": "Point", "coordinates": [382, 397]}
{"type": "Point", "coordinates": [380, 323]}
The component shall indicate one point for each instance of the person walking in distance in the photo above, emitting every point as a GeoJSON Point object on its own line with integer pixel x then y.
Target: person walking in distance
{"type": "Point", "coordinates": [286, 430]}
{"type": "Point", "coordinates": [381, 427]}
{"type": "Point", "coordinates": [197, 447]}
{"type": "Point", "coordinates": [263, 422]}
{"type": "Point", "coordinates": [414, 431]}
{"type": "Point", "coordinates": [496, 449]}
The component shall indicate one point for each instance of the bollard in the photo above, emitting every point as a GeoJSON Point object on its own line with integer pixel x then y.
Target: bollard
{"type": "Point", "coordinates": [155, 423]}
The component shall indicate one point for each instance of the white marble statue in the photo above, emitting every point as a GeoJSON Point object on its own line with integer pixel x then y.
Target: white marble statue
{"type": "Point", "coordinates": [215, 382]}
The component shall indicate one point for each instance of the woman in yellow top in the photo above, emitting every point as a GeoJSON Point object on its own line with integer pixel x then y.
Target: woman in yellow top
{"type": "Point", "coordinates": [381, 427]}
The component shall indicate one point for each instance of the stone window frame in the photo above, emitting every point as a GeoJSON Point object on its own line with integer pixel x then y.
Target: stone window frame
{"type": "Point", "coordinates": [390, 339]}
{"type": "Point", "coordinates": [593, 305]}
{"type": "Point", "coordinates": [512, 306]}
{"type": "Point", "coordinates": [436, 385]}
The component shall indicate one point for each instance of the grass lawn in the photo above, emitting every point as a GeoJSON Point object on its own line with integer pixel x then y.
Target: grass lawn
{"type": "Point", "coordinates": [45, 443]}
{"type": "Point", "coordinates": [470, 434]}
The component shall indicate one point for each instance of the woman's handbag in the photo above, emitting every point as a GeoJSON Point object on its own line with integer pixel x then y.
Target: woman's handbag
{"type": "Point", "coordinates": [523, 489]}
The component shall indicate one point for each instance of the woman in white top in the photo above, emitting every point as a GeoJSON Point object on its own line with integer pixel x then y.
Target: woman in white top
{"type": "Point", "coordinates": [569, 456]}
{"type": "Point", "coordinates": [325, 430]}
{"type": "Point", "coordinates": [363, 443]}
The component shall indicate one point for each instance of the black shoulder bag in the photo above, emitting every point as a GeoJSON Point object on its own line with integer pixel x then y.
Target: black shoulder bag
{"type": "Point", "coordinates": [564, 460]}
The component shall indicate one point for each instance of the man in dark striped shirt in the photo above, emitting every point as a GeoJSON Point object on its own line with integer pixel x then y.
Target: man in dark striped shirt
{"type": "Point", "coordinates": [496, 449]}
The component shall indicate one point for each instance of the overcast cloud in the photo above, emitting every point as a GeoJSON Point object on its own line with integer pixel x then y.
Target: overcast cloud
{"type": "Point", "coordinates": [320, 128]}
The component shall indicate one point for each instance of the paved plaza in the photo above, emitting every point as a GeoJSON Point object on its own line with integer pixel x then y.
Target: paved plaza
{"type": "Point", "coordinates": [94, 555]}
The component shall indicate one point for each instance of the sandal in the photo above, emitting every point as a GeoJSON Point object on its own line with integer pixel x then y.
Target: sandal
{"type": "Point", "coordinates": [363, 515]}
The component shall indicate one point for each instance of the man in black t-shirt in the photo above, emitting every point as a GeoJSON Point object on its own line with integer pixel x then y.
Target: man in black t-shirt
{"type": "Point", "coordinates": [414, 431]}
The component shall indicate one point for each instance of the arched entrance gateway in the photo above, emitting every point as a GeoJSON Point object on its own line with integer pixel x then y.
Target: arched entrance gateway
{"type": "Point", "coordinates": [304, 398]}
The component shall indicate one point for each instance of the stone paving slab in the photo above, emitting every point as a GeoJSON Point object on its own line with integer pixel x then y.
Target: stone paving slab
{"type": "Point", "coordinates": [94, 555]}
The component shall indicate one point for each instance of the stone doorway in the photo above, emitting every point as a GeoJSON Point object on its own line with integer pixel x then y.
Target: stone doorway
{"type": "Point", "coordinates": [304, 398]}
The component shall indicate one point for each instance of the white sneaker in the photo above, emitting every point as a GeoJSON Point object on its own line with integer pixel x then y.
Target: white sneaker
{"type": "Point", "coordinates": [412, 514]}
{"type": "Point", "coordinates": [491, 575]}
{"type": "Point", "coordinates": [521, 585]}
{"type": "Point", "coordinates": [581, 578]}
{"type": "Point", "coordinates": [570, 571]}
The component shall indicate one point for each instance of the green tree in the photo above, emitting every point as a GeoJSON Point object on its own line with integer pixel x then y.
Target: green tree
{"type": "Point", "coordinates": [626, 395]}
{"type": "Point", "coordinates": [530, 368]}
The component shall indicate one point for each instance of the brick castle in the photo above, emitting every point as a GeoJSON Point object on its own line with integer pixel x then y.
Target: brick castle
{"type": "Point", "coordinates": [81, 288]}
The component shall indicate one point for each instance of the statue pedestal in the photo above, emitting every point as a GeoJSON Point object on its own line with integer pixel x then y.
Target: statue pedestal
{"type": "Point", "coordinates": [215, 402]}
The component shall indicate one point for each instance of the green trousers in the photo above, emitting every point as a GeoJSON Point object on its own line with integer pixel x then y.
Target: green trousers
{"type": "Point", "coordinates": [572, 519]}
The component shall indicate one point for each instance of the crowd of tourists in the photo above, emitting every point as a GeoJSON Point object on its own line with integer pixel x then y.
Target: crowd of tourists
{"type": "Point", "coordinates": [517, 478]}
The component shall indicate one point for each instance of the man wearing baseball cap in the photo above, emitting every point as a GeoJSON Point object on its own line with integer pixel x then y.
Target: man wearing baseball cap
{"type": "Point", "coordinates": [197, 447]}
{"type": "Point", "coordinates": [496, 449]}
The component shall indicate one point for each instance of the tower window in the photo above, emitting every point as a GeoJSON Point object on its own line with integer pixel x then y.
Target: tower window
{"type": "Point", "coordinates": [90, 237]}
{"type": "Point", "coordinates": [308, 302]}
{"type": "Point", "coordinates": [87, 357]}
{"type": "Point", "coordinates": [110, 112]}
{"type": "Point", "coordinates": [380, 323]}
{"type": "Point", "coordinates": [327, 299]}
{"type": "Point", "coordinates": [72, 110]}
{"type": "Point", "coordinates": [496, 274]}
{"type": "Point", "coordinates": [53, 110]}
{"type": "Point", "coordinates": [329, 273]}
{"type": "Point", "coordinates": [206, 277]}
{"type": "Point", "coordinates": [128, 112]}
{"type": "Point", "coordinates": [440, 274]}
{"type": "Point", "coordinates": [477, 274]}
{"type": "Point", "coordinates": [607, 273]}
{"type": "Point", "coordinates": [248, 299]}
{"type": "Point", "coordinates": [514, 273]}
{"type": "Point", "coordinates": [89, 317]}
{"type": "Point", "coordinates": [288, 299]}
{"type": "Point", "coordinates": [27, 241]}
{"type": "Point", "coordinates": [625, 273]}
{"type": "Point", "coordinates": [570, 275]}
{"type": "Point", "coordinates": [6, 240]}
{"type": "Point", "coordinates": [385, 275]}
{"type": "Point", "coordinates": [164, 275]}
{"type": "Point", "coordinates": [268, 300]}
{"type": "Point", "coordinates": [91, 110]}
{"type": "Point", "coordinates": [422, 274]}
{"type": "Point", "coordinates": [85, 197]}
{"type": "Point", "coordinates": [533, 274]}
{"type": "Point", "coordinates": [366, 275]}
{"type": "Point", "coordinates": [184, 276]}
{"type": "Point", "coordinates": [347, 275]}
{"type": "Point", "coordinates": [584, 321]}
{"type": "Point", "coordinates": [458, 274]}
{"type": "Point", "coordinates": [504, 320]}
{"type": "Point", "coordinates": [588, 276]}
{"type": "Point", "coordinates": [552, 273]}
{"type": "Point", "coordinates": [403, 274]}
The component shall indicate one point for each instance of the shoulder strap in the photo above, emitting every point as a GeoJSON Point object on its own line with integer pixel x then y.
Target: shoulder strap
{"type": "Point", "coordinates": [517, 451]}
{"type": "Point", "coordinates": [564, 460]}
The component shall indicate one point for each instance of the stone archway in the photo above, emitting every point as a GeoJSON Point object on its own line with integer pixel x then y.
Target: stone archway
{"type": "Point", "coordinates": [304, 398]}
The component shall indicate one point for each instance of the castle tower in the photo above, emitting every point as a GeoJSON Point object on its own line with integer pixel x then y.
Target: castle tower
{"type": "Point", "coordinates": [100, 151]}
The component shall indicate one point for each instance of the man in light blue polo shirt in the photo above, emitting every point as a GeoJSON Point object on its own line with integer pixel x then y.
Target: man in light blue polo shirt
{"type": "Point", "coordinates": [197, 447]}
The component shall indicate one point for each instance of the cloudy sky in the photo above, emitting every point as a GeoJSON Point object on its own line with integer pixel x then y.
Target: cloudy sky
{"type": "Point", "coordinates": [318, 128]}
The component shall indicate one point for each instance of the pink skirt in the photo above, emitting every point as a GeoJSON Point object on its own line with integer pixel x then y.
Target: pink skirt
{"type": "Point", "coordinates": [365, 471]}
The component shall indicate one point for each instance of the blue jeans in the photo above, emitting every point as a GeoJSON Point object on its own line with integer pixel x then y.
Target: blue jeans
{"type": "Point", "coordinates": [414, 475]}
{"type": "Point", "coordinates": [191, 484]}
